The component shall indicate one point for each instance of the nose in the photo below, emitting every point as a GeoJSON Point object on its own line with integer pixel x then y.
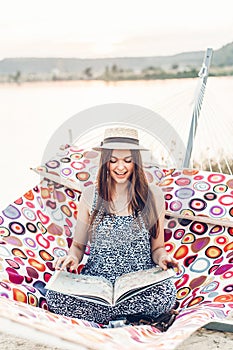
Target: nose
{"type": "Point", "coordinates": [120, 164]}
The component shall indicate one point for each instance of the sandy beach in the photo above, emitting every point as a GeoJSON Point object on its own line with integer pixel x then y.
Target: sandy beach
{"type": "Point", "coordinates": [202, 339]}
{"type": "Point", "coordinates": [206, 339]}
{"type": "Point", "coordinates": [218, 334]}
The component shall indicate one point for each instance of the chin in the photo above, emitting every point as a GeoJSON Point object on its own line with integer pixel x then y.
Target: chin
{"type": "Point", "coordinates": [120, 181]}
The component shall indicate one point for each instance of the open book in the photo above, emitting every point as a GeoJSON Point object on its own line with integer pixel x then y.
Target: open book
{"type": "Point", "coordinates": [100, 290]}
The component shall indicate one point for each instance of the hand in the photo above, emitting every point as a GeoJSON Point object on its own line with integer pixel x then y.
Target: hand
{"type": "Point", "coordinates": [166, 261]}
{"type": "Point", "coordinates": [66, 261]}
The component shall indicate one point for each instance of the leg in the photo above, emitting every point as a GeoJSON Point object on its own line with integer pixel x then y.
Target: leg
{"type": "Point", "coordinates": [153, 301]}
{"type": "Point", "coordinates": [70, 306]}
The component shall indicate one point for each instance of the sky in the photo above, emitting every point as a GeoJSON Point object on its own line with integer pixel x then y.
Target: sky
{"type": "Point", "coordinates": [110, 28]}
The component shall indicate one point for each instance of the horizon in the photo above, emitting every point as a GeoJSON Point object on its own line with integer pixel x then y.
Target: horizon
{"type": "Point", "coordinates": [110, 57]}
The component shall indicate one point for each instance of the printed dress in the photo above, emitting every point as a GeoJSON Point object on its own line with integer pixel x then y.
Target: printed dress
{"type": "Point", "coordinates": [120, 244]}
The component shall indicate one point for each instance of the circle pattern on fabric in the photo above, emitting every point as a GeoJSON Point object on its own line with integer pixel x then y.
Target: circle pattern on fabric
{"type": "Point", "coordinates": [183, 181]}
{"type": "Point", "coordinates": [188, 238]}
{"type": "Point", "coordinates": [220, 188]}
{"type": "Point", "coordinates": [213, 252]}
{"type": "Point", "coordinates": [4, 232]}
{"type": "Point", "coordinates": [216, 230]}
{"type": "Point", "coordinates": [29, 214]}
{"type": "Point", "coordinates": [178, 234]}
{"type": "Point", "coordinates": [78, 165]}
{"type": "Point", "coordinates": [66, 172]}
{"type": "Point", "coordinates": [211, 287]}
{"type": "Point", "coordinates": [198, 177]}
{"type": "Point", "coordinates": [200, 265]}
{"type": "Point", "coordinates": [175, 205]}
{"type": "Point", "coordinates": [184, 193]}
{"type": "Point", "coordinates": [17, 228]}
{"type": "Point", "coordinates": [226, 199]}
{"type": "Point", "coordinates": [65, 160]}
{"type": "Point", "coordinates": [183, 292]}
{"type": "Point", "coordinates": [197, 204]}
{"type": "Point", "coordinates": [216, 178]}
{"type": "Point", "coordinates": [30, 243]}
{"type": "Point", "coordinates": [209, 196]}
{"type": "Point", "coordinates": [11, 212]}
{"type": "Point", "coordinates": [229, 288]}
{"type": "Point", "coordinates": [53, 164]}
{"type": "Point", "coordinates": [168, 197]}
{"type": "Point", "coordinates": [202, 186]}
{"type": "Point", "coordinates": [83, 176]}
{"type": "Point", "coordinates": [217, 211]}
{"type": "Point", "coordinates": [198, 228]}
{"type": "Point", "coordinates": [76, 156]}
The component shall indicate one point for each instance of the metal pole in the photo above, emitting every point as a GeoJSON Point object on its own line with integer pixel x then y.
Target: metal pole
{"type": "Point", "coordinates": [203, 74]}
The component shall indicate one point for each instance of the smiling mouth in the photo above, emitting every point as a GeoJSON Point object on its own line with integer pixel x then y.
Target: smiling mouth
{"type": "Point", "coordinates": [120, 174]}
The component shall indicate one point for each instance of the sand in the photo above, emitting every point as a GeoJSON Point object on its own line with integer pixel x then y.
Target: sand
{"type": "Point", "coordinates": [206, 339]}
{"type": "Point", "coordinates": [202, 339]}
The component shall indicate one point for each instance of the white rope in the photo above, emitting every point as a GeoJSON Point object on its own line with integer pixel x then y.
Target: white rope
{"type": "Point", "coordinates": [176, 110]}
{"type": "Point", "coordinates": [212, 135]}
{"type": "Point", "coordinates": [228, 166]}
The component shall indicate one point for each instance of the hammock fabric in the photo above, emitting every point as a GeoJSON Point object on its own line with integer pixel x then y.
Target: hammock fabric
{"type": "Point", "coordinates": [38, 227]}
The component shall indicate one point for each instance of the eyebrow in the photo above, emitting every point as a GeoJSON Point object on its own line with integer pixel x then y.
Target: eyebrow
{"type": "Point", "coordinates": [122, 158]}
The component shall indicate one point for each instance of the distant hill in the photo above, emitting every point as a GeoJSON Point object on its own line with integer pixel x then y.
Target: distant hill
{"type": "Point", "coordinates": [224, 56]}
{"type": "Point", "coordinates": [77, 65]}
{"type": "Point", "coordinates": [75, 68]}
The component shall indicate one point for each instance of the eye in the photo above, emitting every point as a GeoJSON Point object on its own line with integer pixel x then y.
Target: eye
{"type": "Point", "coordinates": [128, 160]}
{"type": "Point", "coordinates": [113, 161]}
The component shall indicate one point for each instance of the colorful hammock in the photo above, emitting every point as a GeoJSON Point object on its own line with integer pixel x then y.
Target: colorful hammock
{"type": "Point", "coordinates": [38, 227]}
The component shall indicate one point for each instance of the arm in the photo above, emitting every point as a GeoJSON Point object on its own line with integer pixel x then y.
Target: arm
{"type": "Point", "coordinates": [158, 251]}
{"type": "Point", "coordinates": [77, 249]}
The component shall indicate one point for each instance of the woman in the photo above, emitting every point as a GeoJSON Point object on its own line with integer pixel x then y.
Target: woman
{"type": "Point", "coordinates": [123, 219]}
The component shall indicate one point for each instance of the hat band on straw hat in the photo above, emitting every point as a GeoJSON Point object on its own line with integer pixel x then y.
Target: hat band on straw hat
{"type": "Point", "coordinates": [120, 139]}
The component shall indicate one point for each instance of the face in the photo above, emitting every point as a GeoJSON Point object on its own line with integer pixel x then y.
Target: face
{"type": "Point", "coordinates": [121, 165]}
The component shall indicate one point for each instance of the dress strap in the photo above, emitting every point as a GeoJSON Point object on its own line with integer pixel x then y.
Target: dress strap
{"type": "Point", "coordinates": [141, 220]}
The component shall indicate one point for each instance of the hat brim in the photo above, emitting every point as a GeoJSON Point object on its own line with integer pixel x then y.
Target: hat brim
{"type": "Point", "coordinates": [120, 145]}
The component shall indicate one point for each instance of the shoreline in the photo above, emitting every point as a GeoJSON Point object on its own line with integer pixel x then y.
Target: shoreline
{"type": "Point", "coordinates": [115, 80]}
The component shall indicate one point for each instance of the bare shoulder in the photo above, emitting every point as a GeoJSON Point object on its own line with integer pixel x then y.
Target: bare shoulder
{"type": "Point", "coordinates": [156, 190]}
{"type": "Point", "coordinates": [158, 195]}
{"type": "Point", "coordinates": [88, 196]}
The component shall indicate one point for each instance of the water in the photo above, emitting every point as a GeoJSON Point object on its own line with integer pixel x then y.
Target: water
{"type": "Point", "coordinates": [32, 112]}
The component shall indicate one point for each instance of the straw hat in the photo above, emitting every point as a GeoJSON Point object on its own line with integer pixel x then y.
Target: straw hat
{"type": "Point", "coordinates": [120, 138]}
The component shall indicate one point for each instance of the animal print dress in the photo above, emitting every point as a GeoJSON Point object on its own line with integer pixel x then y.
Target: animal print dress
{"type": "Point", "coordinates": [120, 244]}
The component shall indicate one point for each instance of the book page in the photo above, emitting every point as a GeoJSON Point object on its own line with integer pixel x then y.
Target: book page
{"type": "Point", "coordinates": [84, 286]}
{"type": "Point", "coordinates": [138, 280]}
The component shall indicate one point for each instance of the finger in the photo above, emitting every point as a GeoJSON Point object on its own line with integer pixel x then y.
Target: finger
{"type": "Point", "coordinates": [73, 269]}
{"type": "Point", "coordinates": [57, 263]}
{"type": "Point", "coordinates": [73, 266]}
{"type": "Point", "coordinates": [65, 263]}
{"type": "Point", "coordinates": [171, 262]}
{"type": "Point", "coordinates": [68, 262]}
{"type": "Point", "coordinates": [176, 264]}
{"type": "Point", "coordinates": [163, 261]}
{"type": "Point", "coordinates": [163, 265]}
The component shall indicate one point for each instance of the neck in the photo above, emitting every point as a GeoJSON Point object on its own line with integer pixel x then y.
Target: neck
{"type": "Point", "coordinates": [120, 202]}
{"type": "Point", "coordinates": [120, 190]}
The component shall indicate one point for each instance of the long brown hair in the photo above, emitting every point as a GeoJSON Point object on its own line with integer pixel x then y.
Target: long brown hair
{"type": "Point", "coordinates": [141, 198]}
